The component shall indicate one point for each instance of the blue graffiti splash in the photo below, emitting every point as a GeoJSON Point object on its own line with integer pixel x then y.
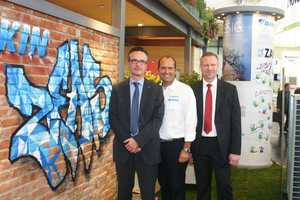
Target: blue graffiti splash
{"type": "Point", "coordinates": [55, 140]}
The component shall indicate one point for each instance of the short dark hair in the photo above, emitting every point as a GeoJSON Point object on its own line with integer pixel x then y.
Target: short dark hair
{"type": "Point", "coordinates": [138, 49]}
{"type": "Point", "coordinates": [208, 54]}
{"type": "Point", "coordinates": [286, 84]}
{"type": "Point", "coordinates": [167, 57]}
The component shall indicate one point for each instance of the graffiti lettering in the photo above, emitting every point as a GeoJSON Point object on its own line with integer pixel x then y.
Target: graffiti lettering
{"type": "Point", "coordinates": [35, 41]}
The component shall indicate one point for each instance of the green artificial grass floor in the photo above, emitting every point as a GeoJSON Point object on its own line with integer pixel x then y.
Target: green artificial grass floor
{"type": "Point", "coordinates": [252, 184]}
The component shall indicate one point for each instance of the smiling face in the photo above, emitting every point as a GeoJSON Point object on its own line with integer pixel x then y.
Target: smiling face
{"type": "Point", "coordinates": [137, 70]}
{"type": "Point", "coordinates": [167, 71]}
{"type": "Point", "coordinates": [209, 67]}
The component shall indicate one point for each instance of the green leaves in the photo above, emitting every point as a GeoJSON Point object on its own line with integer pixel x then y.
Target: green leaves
{"type": "Point", "coordinates": [206, 15]}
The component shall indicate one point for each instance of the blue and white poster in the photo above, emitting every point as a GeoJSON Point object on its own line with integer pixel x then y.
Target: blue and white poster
{"type": "Point", "coordinates": [237, 44]}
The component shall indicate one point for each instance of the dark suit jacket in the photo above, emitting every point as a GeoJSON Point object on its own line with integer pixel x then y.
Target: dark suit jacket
{"type": "Point", "coordinates": [150, 119]}
{"type": "Point", "coordinates": [227, 118]}
{"type": "Point", "coordinates": [279, 100]}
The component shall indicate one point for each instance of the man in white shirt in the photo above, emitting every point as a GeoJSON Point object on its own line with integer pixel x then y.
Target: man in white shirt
{"type": "Point", "coordinates": [177, 132]}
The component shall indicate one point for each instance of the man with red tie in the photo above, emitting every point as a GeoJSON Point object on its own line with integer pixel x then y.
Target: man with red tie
{"type": "Point", "coordinates": [218, 141]}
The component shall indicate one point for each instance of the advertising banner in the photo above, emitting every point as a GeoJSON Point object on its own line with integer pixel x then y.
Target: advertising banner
{"type": "Point", "coordinates": [248, 49]}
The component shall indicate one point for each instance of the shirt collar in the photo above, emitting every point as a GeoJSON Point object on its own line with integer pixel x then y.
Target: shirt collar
{"type": "Point", "coordinates": [141, 82]}
{"type": "Point", "coordinates": [172, 86]}
{"type": "Point", "coordinates": [214, 83]}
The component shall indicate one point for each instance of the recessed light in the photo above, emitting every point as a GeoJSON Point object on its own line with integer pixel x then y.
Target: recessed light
{"type": "Point", "coordinates": [274, 14]}
{"type": "Point", "coordinates": [278, 17]}
{"type": "Point", "coordinates": [237, 12]}
{"type": "Point", "coordinates": [102, 6]}
{"type": "Point", "coordinates": [218, 17]}
{"type": "Point", "coordinates": [223, 14]}
{"type": "Point", "coordinates": [141, 23]}
{"type": "Point", "coordinates": [257, 11]}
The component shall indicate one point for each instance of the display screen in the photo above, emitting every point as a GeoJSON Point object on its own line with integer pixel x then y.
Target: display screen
{"type": "Point", "coordinates": [276, 77]}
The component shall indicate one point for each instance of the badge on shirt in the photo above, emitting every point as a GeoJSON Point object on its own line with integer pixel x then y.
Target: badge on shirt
{"type": "Point", "coordinates": [173, 102]}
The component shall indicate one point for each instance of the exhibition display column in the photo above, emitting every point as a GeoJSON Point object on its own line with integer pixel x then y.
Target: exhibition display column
{"type": "Point", "coordinates": [248, 49]}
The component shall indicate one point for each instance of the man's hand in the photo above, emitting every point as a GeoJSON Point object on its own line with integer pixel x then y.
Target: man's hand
{"type": "Point", "coordinates": [137, 150]}
{"type": "Point", "coordinates": [183, 156]}
{"type": "Point", "coordinates": [234, 159]}
{"type": "Point", "coordinates": [132, 146]}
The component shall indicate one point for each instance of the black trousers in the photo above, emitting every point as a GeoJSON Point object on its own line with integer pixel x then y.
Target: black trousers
{"type": "Point", "coordinates": [171, 173]}
{"type": "Point", "coordinates": [147, 175]}
{"type": "Point", "coordinates": [209, 157]}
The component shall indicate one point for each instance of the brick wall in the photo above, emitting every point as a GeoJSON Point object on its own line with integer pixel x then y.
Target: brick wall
{"type": "Point", "coordinates": [24, 178]}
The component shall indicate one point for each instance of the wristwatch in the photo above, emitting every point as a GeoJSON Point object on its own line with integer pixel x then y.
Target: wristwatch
{"type": "Point", "coordinates": [187, 150]}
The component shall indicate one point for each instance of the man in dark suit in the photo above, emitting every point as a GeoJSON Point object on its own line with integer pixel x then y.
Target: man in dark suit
{"type": "Point", "coordinates": [218, 140]}
{"type": "Point", "coordinates": [287, 88]}
{"type": "Point", "coordinates": [135, 115]}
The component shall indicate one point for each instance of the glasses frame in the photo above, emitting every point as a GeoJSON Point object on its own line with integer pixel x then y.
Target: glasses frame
{"type": "Point", "coordinates": [135, 61]}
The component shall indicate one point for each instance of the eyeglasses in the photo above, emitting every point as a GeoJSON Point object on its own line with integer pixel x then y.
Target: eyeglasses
{"type": "Point", "coordinates": [135, 61]}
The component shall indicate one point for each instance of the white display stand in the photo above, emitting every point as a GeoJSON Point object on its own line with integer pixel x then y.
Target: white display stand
{"type": "Point", "coordinates": [190, 175]}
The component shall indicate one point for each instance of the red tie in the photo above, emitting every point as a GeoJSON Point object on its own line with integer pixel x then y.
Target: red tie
{"type": "Point", "coordinates": [208, 110]}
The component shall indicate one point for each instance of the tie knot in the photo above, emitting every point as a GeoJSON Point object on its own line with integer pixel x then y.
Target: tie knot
{"type": "Point", "coordinates": [136, 84]}
{"type": "Point", "coordinates": [209, 85]}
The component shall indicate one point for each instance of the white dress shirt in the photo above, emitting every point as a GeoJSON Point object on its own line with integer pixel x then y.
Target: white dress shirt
{"type": "Point", "coordinates": [180, 119]}
{"type": "Point", "coordinates": [213, 88]}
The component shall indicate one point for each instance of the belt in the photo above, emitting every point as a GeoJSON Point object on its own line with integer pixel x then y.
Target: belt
{"type": "Point", "coordinates": [210, 138]}
{"type": "Point", "coordinates": [170, 140]}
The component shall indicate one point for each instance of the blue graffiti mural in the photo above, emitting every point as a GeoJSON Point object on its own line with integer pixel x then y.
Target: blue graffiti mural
{"type": "Point", "coordinates": [66, 118]}
{"type": "Point", "coordinates": [6, 38]}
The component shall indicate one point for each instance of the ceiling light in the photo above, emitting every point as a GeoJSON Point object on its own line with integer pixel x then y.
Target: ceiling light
{"type": "Point", "coordinates": [257, 12]}
{"type": "Point", "coordinates": [237, 12]}
{"type": "Point", "coordinates": [218, 17]}
{"type": "Point", "coordinates": [223, 14]}
{"type": "Point", "coordinates": [102, 6]}
{"type": "Point", "coordinates": [141, 24]}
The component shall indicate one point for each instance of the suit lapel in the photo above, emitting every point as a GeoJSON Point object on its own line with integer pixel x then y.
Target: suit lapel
{"type": "Point", "coordinates": [126, 95]}
{"type": "Point", "coordinates": [220, 94]}
{"type": "Point", "coordinates": [145, 96]}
